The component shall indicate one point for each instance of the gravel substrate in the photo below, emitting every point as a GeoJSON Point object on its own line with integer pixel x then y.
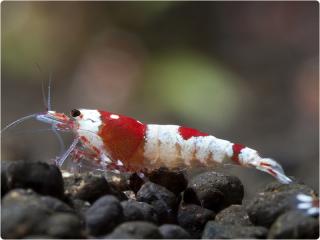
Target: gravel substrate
{"type": "Point", "coordinates": [40, 201]}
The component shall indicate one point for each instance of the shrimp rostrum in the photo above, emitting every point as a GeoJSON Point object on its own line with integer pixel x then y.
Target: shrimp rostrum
{"type": "Point", "coordinates": [120, 143]}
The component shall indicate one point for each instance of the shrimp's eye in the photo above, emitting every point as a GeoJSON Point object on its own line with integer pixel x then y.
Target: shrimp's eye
{"type": "Point", "coordinates": [75, 113]}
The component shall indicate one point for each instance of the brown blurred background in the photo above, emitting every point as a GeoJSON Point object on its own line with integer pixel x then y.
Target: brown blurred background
{"type": "Point", "coordinates": [246, 72]}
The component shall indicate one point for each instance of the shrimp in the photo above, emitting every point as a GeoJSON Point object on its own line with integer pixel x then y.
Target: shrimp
{"type": "Point", "coordinates": [116, 142]}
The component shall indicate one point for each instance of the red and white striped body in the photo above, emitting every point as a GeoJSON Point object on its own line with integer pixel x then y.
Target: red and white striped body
{"type": "Point", "coordinates": [123, 142]}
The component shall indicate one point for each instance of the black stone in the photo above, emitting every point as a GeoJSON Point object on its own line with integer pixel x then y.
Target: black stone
{"type": "Point", "coordinates": [215, 230]}
{"type": "Point", "coordinates": [89, 187]}
{"type": "Point", "coordinates": [193, 218]}
{"type": "Point", "coordinates": [171, 231]}
{"type": "Point", "coordinates": [214, 191]}
{"type": "Point", "coordinates": [135, 230]}
{"type": "Point", "coordinates": [41, 177]}
{"type": "Point", "coordinates": [134, 211]}
{"type": "Point", "coordinates": [80, 206]}
{"type": "Point", "coordinates": [174, 181]}
{"type": "Point", "coordinates": [275, 200]}
{"type": "Point", "coordinates": [295, 224]}
{"type": "Point", "coordinates": [163, 201]}
{"type": "Point", "coordinates": [56, 205]}
{"type": "Point", "coordinates": [104, 215]}
{"type": "Point", "coordinates": [22, 214]}
{"type": "Point", "coordinates": [234, 215]}
{"type": "Point", "coordinates": [64, 225]}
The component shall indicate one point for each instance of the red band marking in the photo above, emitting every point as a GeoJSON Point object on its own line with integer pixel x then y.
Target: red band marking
{"type": "Point", "coordinates": [187, 133]}
{"type": "Point", "coordinates": [122, 137]}
{"type": "Point", "coordinates": [273, 173]}
{"type": "Point", "coordinates": [84, 139]}
{"type": "Point", "coordinates": [96, 149]}
{"type": "Point", "coordinates": [265, 164]}
{"type": "Point", "coordinates": [236, 151]}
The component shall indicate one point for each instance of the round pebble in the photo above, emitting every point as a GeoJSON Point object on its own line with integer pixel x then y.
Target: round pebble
{"type": "Point", "coordinates": [234, 215]}
{"type": "Point", "coordinates": [89, 187]}
{"type": "Point", "coordinates": [174, 181]}
{"type": "Point", "coordinates": [22, 213]}
{"type": "Point", "coordinates": [163, 201]}
{"type": "Point", "coordinates": [215, 230]}
{"type": "Point", "coordinates": [266, 206]}
{"type": "Point", "coordinates": [193, 218]}
{"type": "Point", "coordinates": [56, 205]}
{"type": "Point", "coordinates": [80, 206]}
{"type": "Point", "coordinates": [172, 231]}
{"type": "Point", "coordinates": [64, 225]}
{"type": "Point", "coordinates": [104, 215]}
{"type": "Point", "coordinates": [41, 177]}
{"type": "Point", "coordinates": [295, 224]}
{"type": "Point", "coordinates": [134, 211]}
{"type": "Point", "coordinates": [214, 191]}
{"type": "Point", "coordinates": [135, 230]}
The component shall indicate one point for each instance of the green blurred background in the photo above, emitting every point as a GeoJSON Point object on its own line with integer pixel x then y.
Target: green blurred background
{"type": "Point", "coordinates": [246, 72]}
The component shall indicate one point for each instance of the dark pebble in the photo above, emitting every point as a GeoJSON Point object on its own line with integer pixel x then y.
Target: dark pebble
{"type": "Point", "coordinates": [266, 206]}
{"type": "Point", "coordinates": [234, 215]}
{"type": "Point", "coordinates": [22, 214]}
{"type": "Point", "coordinates": [193, 218]}
{"type": "Point", "coordinates": [163, 201]}
{"type": "Point", "coordinates": [276, 186]}
{"type": "Point", "coordinates": [139, 211]}
{"type": "Point", "coordinates": [215, 230]}
{"type": "Point", "coordinates": [136, 230]}
{"type": "Point", "coordinates": [214, 191]}
{"type": "Point", "coordinates": [171, 231]}
{"type": "Point", "coordinates": [64, 225]}
{"type": "Point", "coordinates": [174, 181]}
{"type": "Point", "coordinates": [104, 215]}
{"type": "Point", "coordinates": [295, 224]}
{"type": "Point", "coordinates": [56, 205]}
{"type": "Point", "coordinates": [80, 206]}
{"type": "Point", "coordinates": [41, 177]}
{"type": "Point", "coordinates": [89, 187]}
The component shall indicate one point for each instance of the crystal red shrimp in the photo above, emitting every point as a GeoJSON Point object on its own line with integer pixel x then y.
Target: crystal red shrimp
{"type": "Point", "coordinates": [118, 142]}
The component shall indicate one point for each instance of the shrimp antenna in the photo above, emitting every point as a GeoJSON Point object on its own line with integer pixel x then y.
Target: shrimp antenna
{"type": "Point", "coordinates": [49, 108]}
{"type": "Point", "coordinates": [44, 97]}
{"type": "Point", "coordinates": [20, 120]}
{"type": "Point", "coordinates": [49, 92]}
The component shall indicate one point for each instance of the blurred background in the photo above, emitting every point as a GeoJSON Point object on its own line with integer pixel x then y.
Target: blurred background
{"type": "Point", "coordinates": [246, 72]}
